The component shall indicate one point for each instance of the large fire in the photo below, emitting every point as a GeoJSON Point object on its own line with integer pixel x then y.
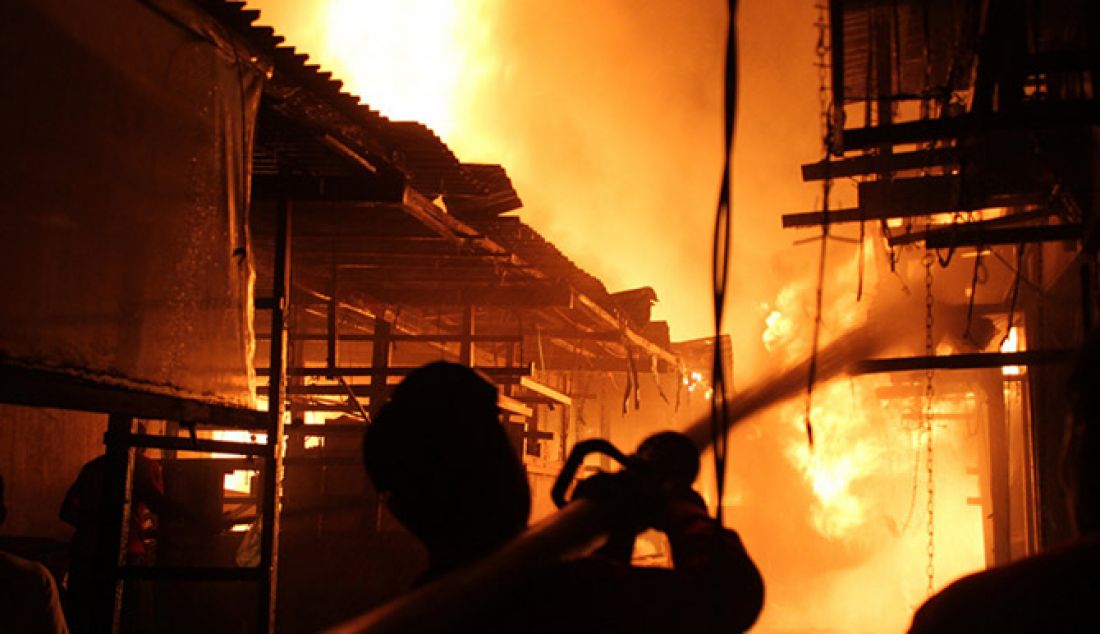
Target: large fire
{"type": "Point", "coordinates": [607, 116]}
{"type": "Point", "coordinates": [406, 59]}
{"type": "Point", "coordinates": [844, 454]}
{"type": "Point", "coordinates": [864, 482]}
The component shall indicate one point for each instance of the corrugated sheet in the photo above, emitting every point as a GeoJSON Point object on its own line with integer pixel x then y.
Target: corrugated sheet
{"type": "Point", "coordinates": [412, 147]}
{"type": "Point", "coordinates": [538, 251]}
{"type": "Point", "coordinates": [931, 46]}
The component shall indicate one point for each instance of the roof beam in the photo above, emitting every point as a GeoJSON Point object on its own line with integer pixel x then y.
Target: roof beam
{"type": "Point", "coordinates": [427, 338]}
{"type": "Point", "coordinates": [935, 194]}
{"type": "Point", "coordinates": [498, 374]}
{"type": "Point", "coordinates": [533, 295]}
{"type": "Point", "coordinates": [1028, 117]}
{"type": "Point", "coordinates": [963, 236]}
{"type": "Point", "coordinates": [885, 204]}
{"type": "Point", "coordinates": [878, 164]}
{"type": "Point", "coordinates": [513, 406]}
{"type": "Point", "coordinates": [1002, 221]}
{"type": "Point", "coordinates": [544, 390]}
{"type": "Point", "coordinates": [629, 333]}
{"type": "Point", "coordinates": [963, 361]}
{"type": "Point", "coordinates": [39, 387]}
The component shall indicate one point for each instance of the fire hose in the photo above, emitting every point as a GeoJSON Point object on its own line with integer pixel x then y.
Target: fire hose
{"type": "Point", "coordinates": [584, 524]}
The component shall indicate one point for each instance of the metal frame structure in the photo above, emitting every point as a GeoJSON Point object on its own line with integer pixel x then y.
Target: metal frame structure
{"type": "Point", "coordinates": [396, 244]}
{"type": "Point", "coordinates": [969, 127]}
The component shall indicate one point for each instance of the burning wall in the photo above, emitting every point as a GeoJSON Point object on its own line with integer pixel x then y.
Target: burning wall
{"type": "Point", "coordinates": [122, 208]}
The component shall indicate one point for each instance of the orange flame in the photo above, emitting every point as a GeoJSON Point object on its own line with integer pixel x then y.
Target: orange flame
{"type": "Point", "coordinates": [843, 455]}
{"type": "Point", "coordinates": [865, 479]}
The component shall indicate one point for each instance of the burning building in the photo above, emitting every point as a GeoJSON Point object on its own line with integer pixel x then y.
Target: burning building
{"type": "Point", "coordinates": [204, 233]}
{"type": "Point", "coordinates": [962, 136]}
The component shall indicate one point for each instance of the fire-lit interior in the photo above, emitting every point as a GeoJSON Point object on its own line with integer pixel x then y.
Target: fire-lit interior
{"type": "Point", "coordinates": [308, 200]}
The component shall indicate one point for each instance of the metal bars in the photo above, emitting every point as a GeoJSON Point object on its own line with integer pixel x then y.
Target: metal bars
{"type": "Point", "coordinates": [273, 462]}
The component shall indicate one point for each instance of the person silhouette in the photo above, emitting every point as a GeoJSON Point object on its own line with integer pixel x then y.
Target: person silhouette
{"type": "Point", "coordinates": [29, 600]}
{"type": "Point", "coordinates": [439, 456]}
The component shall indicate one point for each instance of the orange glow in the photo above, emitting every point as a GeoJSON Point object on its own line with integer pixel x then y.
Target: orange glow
{"type": "Point", "coordinates": [608, 121]}
{"type": "Point", "coordinates": [236, 435]}
{"type": "Point", "coordinates": [779, 328]}
{"type": "Point", "coordinates": [864, 481]}
{"type": "Point", "coordinates": [316, 418]}
{"type": "Point", "coordinates": [599, 111]}
{"type": "Point", "coordinates": [239, 481]}
{"type": "Point", "coordinates": [1011, 344]}
{"type": "Point", "coordinates": [405, 59]}
{"type": "Point", "coordinates": [842, 456]}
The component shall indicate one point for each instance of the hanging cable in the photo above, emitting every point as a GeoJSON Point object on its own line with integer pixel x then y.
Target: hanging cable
{"type": "Point", "coordinates": [1015, 271]}
{"type": "Point", "coordinates": [723, 242]}
{"type": "Point", "coordinates": [1015, 292]}
{"type": "Point", "coordinates": [967, 335]}
{"type": "Point", "coordinates": [826, 186]}
{"type": "Point", "coordinates": [862, 258]}
{"type": "Point", "coordinates": [927, 417]}
{"type": "Point", "coordinates": [811, 376]}
{"type": "Point", "coordinates": [919, 432]}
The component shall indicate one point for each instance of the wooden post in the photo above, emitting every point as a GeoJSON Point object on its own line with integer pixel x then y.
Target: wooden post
{"type": "Point", "coordinates": [273, 463]}
{"type": "Point", "coordinates": [380, 363]}
{"type": "Point", "coordinates": [466, 352]}
{"type": "Point", "coordinates": [295, 358]}
{"type": "Point", "coordinates": [567, 421]}
{"type": "Point", "coordinates": [114, 524]}
{"type": "Point", "coordinates": [508, 388]}
{"type": "Point", "coordinates": [992, 383]}
{"type": "Point", "coordinates": [332, 359]}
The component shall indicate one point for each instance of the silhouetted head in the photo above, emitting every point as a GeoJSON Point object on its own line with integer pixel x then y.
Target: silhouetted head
{"type": "Point", "coordinates": [438, 451]}
{"type": "Point", "coordinates": [1085, 437]}
{"type": "Point", "coordinates": [671, 455]}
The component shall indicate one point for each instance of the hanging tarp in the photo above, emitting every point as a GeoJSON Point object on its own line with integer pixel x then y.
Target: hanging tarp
{"type": "Point", "coordinates": [127, 135]}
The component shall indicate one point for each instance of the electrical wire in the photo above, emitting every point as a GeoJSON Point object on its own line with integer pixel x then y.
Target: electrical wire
{"type": "Point", "coordinates": [720, 259]}
{"type": "Point", "coordinates": [826, 187]}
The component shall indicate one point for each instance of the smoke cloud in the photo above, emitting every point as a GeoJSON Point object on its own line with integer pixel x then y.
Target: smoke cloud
{"type": "Point", "coordinates": [608, 117]}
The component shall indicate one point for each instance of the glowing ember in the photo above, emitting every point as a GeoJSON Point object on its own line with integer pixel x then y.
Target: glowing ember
{"type": "Point", "coordinates": [239, 480]}
{"type": "Point", "coordinates": [779, 329]}
{"type": "Point", "coordinates": [843, 455]}
{"type": "Point", "coordinates": [1011, 344]}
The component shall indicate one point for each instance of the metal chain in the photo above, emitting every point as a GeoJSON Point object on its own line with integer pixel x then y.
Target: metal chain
{"type": "Point", "coordinates": [929, 394]}
{"type": "Point", "coordinates": [826, 185]}
{"type": "Point", "coordinates": [822, 51]}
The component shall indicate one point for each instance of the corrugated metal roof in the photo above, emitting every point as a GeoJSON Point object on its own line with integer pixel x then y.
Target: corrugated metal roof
{"type": "Point", "coordinates": [474, 193]}
{"type": "Point", "coordinates": [528, 244]}
{"type": "Point", "coordinates": [412, 147]}
{"type": "Point", "coordinates": [931, 47]}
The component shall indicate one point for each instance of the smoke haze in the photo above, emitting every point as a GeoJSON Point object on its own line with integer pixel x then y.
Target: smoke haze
{"type": "Point", "coordinates": [607, 115]}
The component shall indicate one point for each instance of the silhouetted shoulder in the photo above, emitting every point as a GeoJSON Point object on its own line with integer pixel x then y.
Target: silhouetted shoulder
{"type": "Point", "coordinates": [29, 601]}
{"type": "Point", "coordinates": [1057, 591]}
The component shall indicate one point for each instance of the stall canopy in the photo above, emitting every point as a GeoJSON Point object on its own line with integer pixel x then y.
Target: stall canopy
{"type": "Point", "coordinates": [128, 129]}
